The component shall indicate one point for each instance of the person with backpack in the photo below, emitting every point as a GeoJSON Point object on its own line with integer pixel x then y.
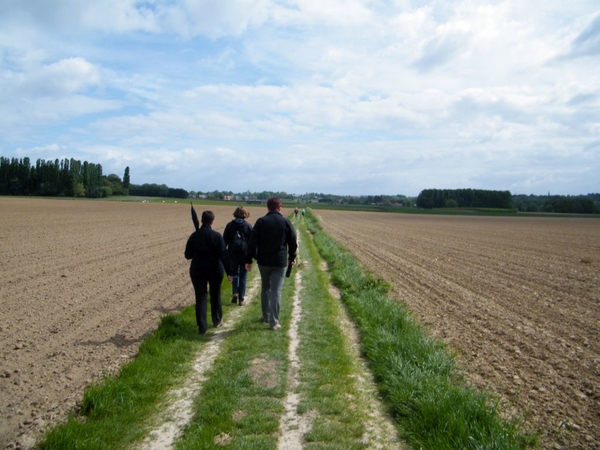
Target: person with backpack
{"type": "Point", "coordinates": [236, 235]}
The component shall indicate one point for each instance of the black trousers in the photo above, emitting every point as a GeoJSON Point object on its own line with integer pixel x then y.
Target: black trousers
{"type": "Point", "coordinates": [204, 284]}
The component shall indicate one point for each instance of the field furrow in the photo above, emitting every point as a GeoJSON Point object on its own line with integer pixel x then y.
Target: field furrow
{"type": "Point", "coordinates": [517, 298]}
{"type": "Point", "coordinates": [83, 283]}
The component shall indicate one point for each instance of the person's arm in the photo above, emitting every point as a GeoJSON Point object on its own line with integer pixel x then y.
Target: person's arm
{"type": "Point", "coordinates": [189, 250]}
{"type": "Point", "coordinates": [227, 234]}
{"type": "Point", "coordinates": [292, 243]}
{"type": "Point", "coordinates": [223, 255]}
{"type": "Point", "coordinates": [252, 244]}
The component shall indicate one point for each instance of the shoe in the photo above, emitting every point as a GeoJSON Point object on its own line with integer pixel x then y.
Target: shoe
{"type": "Point", "coordinates": [220, 324]}
{"type": "Point", "coordinates": [201, 332]}
{"type": "Point", "coordinates": [275, 327]}
{"type": "Point", "coordinates": [241, 302]}
{"type": "Point", "coordinates": [234, 299]}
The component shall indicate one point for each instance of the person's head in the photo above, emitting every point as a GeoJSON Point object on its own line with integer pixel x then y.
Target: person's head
{"type": "Point", "coordinates": [207, 217]}
{"type": "Point", "coordinates": [241, 213]}
{"type": "Point", "coordinates": [273, 204]}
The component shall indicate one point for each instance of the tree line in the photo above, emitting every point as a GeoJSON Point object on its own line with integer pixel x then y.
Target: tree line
{"type": "Point", "coordinates": [464, 198]}
{"type": "Point", "coordinates": [73, 178]}
{"type": "Point", "coordinates": [59, 178]}
{"type": "Point", "coordinates": [156, 190]}
{"type": "Point", "coordinates": [477, 198]}
{"type": "Point", "coordinates": [580, 204]}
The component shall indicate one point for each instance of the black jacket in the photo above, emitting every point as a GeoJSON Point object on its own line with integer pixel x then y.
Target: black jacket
{"type": "Point", "coordinates": [229, 234]}
{"type": "Point", "coordinates": [273, 241]}
{"type": "Point", "coordinates": [206, 248]}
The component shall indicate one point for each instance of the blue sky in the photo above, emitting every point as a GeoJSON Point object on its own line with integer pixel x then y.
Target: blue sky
{"type": "Point", "coordinates": [330, 96]}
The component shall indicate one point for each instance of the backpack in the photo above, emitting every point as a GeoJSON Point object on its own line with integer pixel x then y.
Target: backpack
{"type": "Point", "coordinates": [239, 245]}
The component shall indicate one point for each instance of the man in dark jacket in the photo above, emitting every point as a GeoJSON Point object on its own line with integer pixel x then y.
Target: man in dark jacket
{"type": "Point", "coordinates": [273, 245]}
{"type": "Point", "coordinates": [206, 248]}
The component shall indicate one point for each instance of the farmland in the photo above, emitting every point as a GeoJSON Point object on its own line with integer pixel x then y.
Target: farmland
{"type": "Point", "coordinates": [518, 300]}
{"type": "Point", "coordinates": [84, 282]}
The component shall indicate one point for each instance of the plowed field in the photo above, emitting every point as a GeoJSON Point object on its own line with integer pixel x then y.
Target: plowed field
{"type": "Point", "coordinates": [82, 283]}
{"type": "Point", "coordinates": [518, 300]}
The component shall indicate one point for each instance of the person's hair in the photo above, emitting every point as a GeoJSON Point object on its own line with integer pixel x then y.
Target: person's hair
{"type": "Point", "coordinates": [208, 217]}
{"type": "Point", "coordinates": [241, 213]}
{"type": "Point", "coordinates": [273, 204]}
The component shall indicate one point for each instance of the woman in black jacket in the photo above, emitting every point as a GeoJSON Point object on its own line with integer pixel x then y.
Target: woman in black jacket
{"type": "Point", "coordinates": [237, 235]}
{"type": "Point", "coordinates": [206, 248]}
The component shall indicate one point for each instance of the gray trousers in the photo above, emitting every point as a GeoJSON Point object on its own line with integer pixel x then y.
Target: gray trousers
{"type": "Point", "coordinates": [270, 295]}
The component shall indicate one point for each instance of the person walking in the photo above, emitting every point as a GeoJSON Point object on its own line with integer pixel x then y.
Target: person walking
{"type": "Point", "coordinates": [209, 260]}
{"type": "Point", "coordinates": [237, 235]}
{"type": "Point", "coordinates": [273, 244]}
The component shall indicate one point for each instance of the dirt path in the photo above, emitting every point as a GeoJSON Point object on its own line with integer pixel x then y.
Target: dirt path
{"type": "Point", "coordinates": [292, 426]}
{"type": "Point", "coordinates": [179, 410]}
{"type": "Point", "coordinates": [380, 432]}
{"type": "Point", "coordinates": [517, 298]}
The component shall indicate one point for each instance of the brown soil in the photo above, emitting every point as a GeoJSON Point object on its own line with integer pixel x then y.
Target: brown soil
{"type": "Point", "coordinates": [83, 283]}
{"type": "Point", "coordinates": [518, 300]}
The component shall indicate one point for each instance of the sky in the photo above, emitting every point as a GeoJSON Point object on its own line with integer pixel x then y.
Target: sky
{"type": "Point", "coordinates": [346, 97]}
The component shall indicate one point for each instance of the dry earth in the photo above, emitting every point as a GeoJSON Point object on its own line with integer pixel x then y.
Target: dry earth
{"type": "Point", "coordinates": [517, 298]}
{"type": "Point", "coordinates": [82, 284]}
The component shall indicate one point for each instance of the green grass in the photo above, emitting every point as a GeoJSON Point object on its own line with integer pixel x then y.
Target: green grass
{"type": "Point", "coordinates": [416, 375]}
{"type": "Point", "coordinates": [116, 410]}
{"type": "Point", "coordinates": [328, 387]}
{"type": "Point", "coordinates": [242, 399]}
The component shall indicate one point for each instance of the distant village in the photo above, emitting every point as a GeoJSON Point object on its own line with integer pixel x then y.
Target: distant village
{"type": "Point", "coordinates": [260, 198]}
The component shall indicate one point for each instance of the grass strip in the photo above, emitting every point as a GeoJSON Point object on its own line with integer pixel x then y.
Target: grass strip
{"type": "Point", "coordinates": [327, 373]}
{"type": "Point", "coordinates": [415, 374]}
{"type": "Point", "coordinates": [116, 410]}
{"type": "Point", "coordinates": [241, 402]}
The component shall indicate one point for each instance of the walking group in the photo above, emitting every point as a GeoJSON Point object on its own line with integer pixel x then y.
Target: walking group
{"type": "Point", "coordinates": [271, 242]}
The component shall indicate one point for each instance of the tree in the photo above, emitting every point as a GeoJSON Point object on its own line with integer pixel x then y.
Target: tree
{"type": "Point", "coordinates": [78, 189]}
{"type": "Point", "coordinates": [126, 179]}
{"type": "Point", "coordinates": [424, 202]}
{"type": "Point", "coordinates": [114, 183]}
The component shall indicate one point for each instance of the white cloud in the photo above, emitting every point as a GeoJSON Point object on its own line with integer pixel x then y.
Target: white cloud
{"type": "Point", "coordinates": [354, 96]}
